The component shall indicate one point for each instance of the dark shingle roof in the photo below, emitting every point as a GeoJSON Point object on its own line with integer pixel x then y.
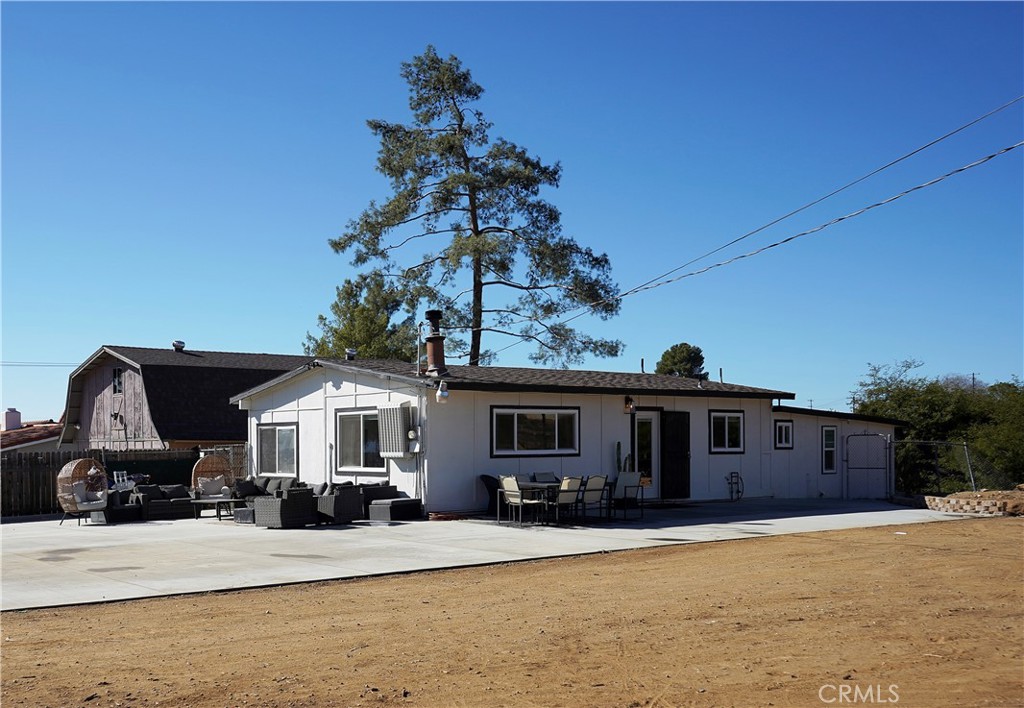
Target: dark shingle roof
{"type": "Point", "coordinates": [146, 356]}
{"type": "Point", "coordinates": [501, 378]}
{"type": "Point", "coordinates": [188, 392]}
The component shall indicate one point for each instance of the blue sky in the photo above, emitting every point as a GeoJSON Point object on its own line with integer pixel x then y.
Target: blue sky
{"type": "Point", "coordinates": [174, 171]}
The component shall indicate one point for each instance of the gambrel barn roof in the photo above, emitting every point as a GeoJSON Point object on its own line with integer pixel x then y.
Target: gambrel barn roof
{"type": "Point", "coordinates": [188, 391]}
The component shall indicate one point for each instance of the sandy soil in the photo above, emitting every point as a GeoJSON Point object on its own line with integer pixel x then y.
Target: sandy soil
{"type": "Point", "coordinates": [920, 615]}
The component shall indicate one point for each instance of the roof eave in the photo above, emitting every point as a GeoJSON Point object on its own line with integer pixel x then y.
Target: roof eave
{"type": "Point", "coordinates": [334, 366]}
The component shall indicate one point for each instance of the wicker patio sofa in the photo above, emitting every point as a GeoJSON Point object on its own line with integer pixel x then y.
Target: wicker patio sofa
{"type": "Point", "coordinates": [163, 501]}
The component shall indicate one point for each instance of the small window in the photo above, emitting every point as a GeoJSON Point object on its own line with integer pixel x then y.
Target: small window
{"type": "Point", "coordinates": [118, 381]}
{"type": "Point", "coordinates": [783, 435]}
{"type": "Point", "coordinates": [358, 446]}
{"type": "Point", "coordinates": [278, 453]}
{"type": "Point", "coordinates": [727, 431]}
{"type": "Point", "coordinates": [535, 431]}
{"type": "Point", "coordinates": [828, 449]}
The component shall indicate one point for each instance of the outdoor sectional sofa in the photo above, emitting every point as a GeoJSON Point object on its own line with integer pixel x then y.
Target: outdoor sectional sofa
{"type": "Point", "coordinates": [163, 501]}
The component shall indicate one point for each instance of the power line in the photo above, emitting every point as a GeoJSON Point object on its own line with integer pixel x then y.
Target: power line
{"type": "Point", "coordinates": [658, 282]}
{"type": "Point", "coordinates": [40, 364]}
{"type": "Point", "coordinates": [646, 285]}
{"type": "Point", "coordinates": [651, 285]}
{"type": "Point", "coordinates": [831, 194]}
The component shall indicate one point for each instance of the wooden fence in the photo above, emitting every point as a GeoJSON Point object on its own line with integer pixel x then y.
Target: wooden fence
{"type": "Point", "coordinates": [28, 481]}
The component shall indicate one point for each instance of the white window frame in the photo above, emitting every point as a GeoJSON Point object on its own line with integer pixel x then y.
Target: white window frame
{"type": "Point", "coordinates": [834, 449]}
{"type": "Point", "coordinates": [274, 470]}
{"type": "Point", "coordinates": [787, 427]}
{"type": "Point", "coordinates": [725, 449]}
{"type": "Point", "coordinates": [517, 451]}
{"type": "Point", "coordinates": [361, 468]}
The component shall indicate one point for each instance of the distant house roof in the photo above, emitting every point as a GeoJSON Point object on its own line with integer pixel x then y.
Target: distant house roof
{"type": "Point", "coordinates": [188, 391]}
{"type": "Point", "coordinates": [30, 433]}
{"type": "Point", "coordinates": [508, 379]}
{"type": "Point", "coordinates": [840, 415]}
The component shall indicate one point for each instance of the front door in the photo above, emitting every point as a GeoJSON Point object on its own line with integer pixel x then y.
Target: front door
{"type": "Point", "coordinates": [647, 448]}
{"type": "Point", "coordinates": [675, 455]}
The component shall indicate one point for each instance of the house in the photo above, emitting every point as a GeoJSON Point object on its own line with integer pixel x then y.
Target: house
{"type": "Point", "coordinates": [29, 436]}
{"type": "Point", "coordinates": [136, 398]}
{"type": "Point", "coordinates": [432, 433]}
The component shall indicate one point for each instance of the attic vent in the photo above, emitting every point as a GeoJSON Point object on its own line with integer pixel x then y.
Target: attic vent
{"type": "Point", "coordinates": [179, 346]}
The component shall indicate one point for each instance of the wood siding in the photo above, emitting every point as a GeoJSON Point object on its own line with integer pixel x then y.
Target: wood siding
{"type": "Point", "coordinates": [132, 428]}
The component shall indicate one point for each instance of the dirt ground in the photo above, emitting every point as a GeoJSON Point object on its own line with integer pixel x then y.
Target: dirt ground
{"type": "Point", "coordinates": [918, 615]}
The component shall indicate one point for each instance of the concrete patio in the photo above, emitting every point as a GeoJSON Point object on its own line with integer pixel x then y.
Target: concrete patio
{"type": "Point", "coordinates": [45, 564]}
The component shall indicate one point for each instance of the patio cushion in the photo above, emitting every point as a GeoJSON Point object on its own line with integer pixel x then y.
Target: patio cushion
{"type": "Point", "coordinates": [152, 491]}
{"type": "Point", "coordinates": [319, 489]}
{"type": "Point", "coordinates": [246, 488]}
{"type": "Point", "coordinates": [273, 485]}
{"type": "Point", "coordinates": [211, 485]}
{"type": "Point", "coordinates": [175, 491]}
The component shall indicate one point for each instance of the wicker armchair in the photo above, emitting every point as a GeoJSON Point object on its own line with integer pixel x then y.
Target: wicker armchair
{"type": "Point", "coordinates": [288, 509]}
{"type": "Point", "coordinates": [82, 488]}
{"type": "Point", "coordinates": [210, 474]}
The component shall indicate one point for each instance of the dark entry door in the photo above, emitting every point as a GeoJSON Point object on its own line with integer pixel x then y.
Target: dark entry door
{"type": "Point", "coordinates": [675, 455]}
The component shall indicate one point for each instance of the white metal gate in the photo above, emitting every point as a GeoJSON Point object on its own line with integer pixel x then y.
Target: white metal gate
{"type": "Point", "coordinates": [868, 466]}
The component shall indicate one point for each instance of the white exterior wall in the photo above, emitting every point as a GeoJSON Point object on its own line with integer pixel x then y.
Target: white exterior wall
{"type": "Point", "coordinates": [460, 438]}
{"type": "Point", "coordinates": [456, 440]}
{"type": "Point", "coordinates": [313, 400]}
{"type": "Point", "coordinates": [798, 472]}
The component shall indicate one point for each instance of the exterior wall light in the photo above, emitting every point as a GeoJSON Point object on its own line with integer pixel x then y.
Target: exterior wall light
{"type": "Point", "coordinates": [629, 405]}
{"type": "Point", "coordinates": [442, 392]}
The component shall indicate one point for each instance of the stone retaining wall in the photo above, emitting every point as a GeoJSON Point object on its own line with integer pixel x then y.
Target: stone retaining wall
{"type": "Point", "coordinates": [992, 507]}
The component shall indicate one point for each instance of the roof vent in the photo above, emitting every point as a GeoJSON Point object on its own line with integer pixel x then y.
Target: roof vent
{"type": "Point", "coordinates": [179, 346]}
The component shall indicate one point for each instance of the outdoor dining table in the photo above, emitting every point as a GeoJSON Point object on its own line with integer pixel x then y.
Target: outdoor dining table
{"type": "Point", "coordinates": [548, 488]}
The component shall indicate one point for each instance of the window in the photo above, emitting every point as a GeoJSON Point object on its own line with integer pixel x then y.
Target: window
{"type": "Point", "coordinates": [358, 443]}
{"type": "Point", "coordinates": [783, 435]}
{"type": "Point", "coordinates": [118, 381]}
{"type": "Point", "coordinates": [278, 451]}
{"type": "Point", "coordinates": [727, 431]}
{"type": "Point", "coordinates": [535, 431]}
{"type": "Point", "coordinates": [828, 449]}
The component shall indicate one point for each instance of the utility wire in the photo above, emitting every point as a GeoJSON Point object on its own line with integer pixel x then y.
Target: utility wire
{"type": "Point", "coordinates": [38, 364]}
{"type": "Point", "coordinates": [827, 196]}
{"type": "Point", "coordinates": [651, 285]}
{"type": "Point", "coordinates": [644, 286]}
{"type": "Point", "coordinates": [659, 282]}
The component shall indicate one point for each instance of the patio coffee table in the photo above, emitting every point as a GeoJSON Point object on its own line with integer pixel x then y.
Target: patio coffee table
{"type": "Point", "coordinates": [218, 504]}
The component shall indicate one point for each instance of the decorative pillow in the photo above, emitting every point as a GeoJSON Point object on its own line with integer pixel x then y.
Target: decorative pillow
{"type": "Point", "coordinates": [211, 485]}
{"type": "Point", "coordinates": [273, 485]}
{"type": "Point", "coordinates": [246, 488]}
{"type": "Point", "coordinates": [152, 491]}
{"type": "Point", "coordinates": [95, 496]}
{"type": "Point", "coordinates": [319, 489]}
{"type": "Point", "coordinates": [78, 489]}
{"type": "Point", "coordinates": [175, 491]}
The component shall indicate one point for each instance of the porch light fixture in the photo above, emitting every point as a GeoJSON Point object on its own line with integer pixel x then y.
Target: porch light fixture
{"type": "Point", "coordinates": [442, 392]}
{"type": "Point", "coordinates": [629, 405]}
